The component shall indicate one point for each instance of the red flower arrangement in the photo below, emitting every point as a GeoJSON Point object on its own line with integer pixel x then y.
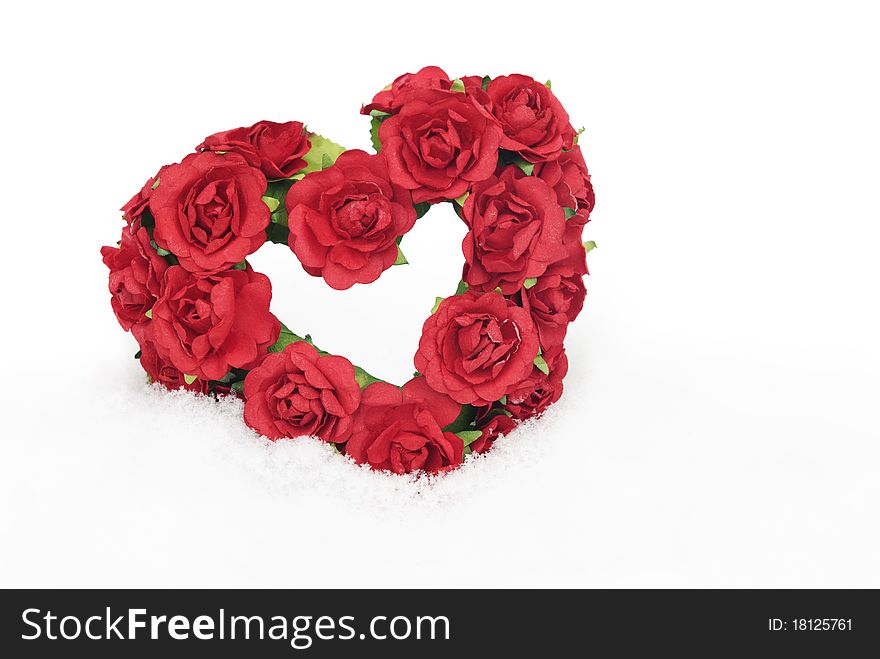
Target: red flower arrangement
{"type": "Point", "coordinates": [502, 151]}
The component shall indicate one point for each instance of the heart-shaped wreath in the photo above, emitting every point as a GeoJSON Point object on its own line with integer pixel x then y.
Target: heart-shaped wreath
{"type": "Point", "coordinates": [501, 150]}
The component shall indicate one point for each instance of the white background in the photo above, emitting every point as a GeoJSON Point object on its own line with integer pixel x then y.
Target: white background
{"type": "Point", "coordinates": [720, 424]}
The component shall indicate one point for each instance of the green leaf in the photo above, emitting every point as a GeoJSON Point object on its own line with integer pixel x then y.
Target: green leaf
{"type": "Point", "coordinates": [462, 287]}
{"type": "Point", "coordinates": [578, 136]}
{"type": "Point", "coordinates": [156, 183]}
{"type": "Point", "coordinates": [375, 122]}
{"type": "Point", "coordinates": [231, 376]}
{"type": "Point", "coordinates": [138, 354]}
{"type": "Point", "coordinates": [401, 259]}
{"type": "Point", "coordinates": [238, 386]}
{"type": "Point", "coordinates": [159, 250]}
{"type": "Point", "coordinates": [531, 281]}
{"type": "Point", "coordinates": [503, 399]}
{"type": "Point", "coordinates": [457, 85]}
{"type": "Point", "coordinates": [285, 338]}
{"type": "Point", "coordinates": [149, 314]}
{"type": "Point", "coordinates": [590, 245]}
{"type": "Point", "coordinates": [460, 200]}
{"type": "Point", "coordinates": [422, 208]}
{"type": "Point", "coordinates": [569, 212]}
{"type": "Point", "coordinates": [241, 265]}
{"type": "Point", "coordinates": [469, 436]}
{"type": "Point", "coordinates": [363, 378]}
{"type": "Point", "coordinates": [323, 153]}
{"type": "Point", "coordinates": [148, 222]}
{"type": "Point", "coordinates": [526, 166]}
{"type": "Point", "coordinates": [549, 86]}
{"type": "Point", "coordinates": [277, 233]}
{"type": "Point", "coordinates": [464, 420]}
{"type": "Point", "coordinates": [277, 190]}
{"type": "Point", "coordinates": [379, 113]}
{"type": "Point", "coordinates": [541, 365]}
{"type": "Point", "coordinates": [486, 81]}
{"type": "Point", "coordinates": [189, 379]}
{"type": "Point", "coordinates": [436, 306]}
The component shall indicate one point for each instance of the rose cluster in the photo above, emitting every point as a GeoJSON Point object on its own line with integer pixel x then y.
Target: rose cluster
{"type": "Point", "coordinates": [501, 150]}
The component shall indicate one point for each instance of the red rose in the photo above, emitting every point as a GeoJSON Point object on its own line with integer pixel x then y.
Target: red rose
{"type": "Point", "coordinates": [497, 426]}
{"type": "Point", "coordinates": [344, 221]}
{"type": "Point", "coordinates": [569, 178]}
{"type": "Point", "coordinates": [438, 144]}
{"type": "Point", "coordinates": [540, 390]}
{"type": "Point", "coordinates": [516, 228]}
{"type": "Point", "coordinates": [136, 206]}
{"type": "Point", "coordinates": [400, 430]}
{"type": "Point", "coordinates": [300, 392]}
{"type": "Point", "coordinates": [535, 124]}
{"type": "Point", "coordinates": [477, 347]}
{"type": "Point", "coordinates": [161, 371]}
{"type": "Point", "coordinates": [558, 296]}
{"type": "Point", "coordinates": [205, 325]}
{"type": "Point", "coordinates": [136, 271]}
{"type": "Point", "coordinates": [388, 100]}
{"type": "Point", "coordinates": [209, 211]}
{"type": "Point", "coordinates": [276, 149]}
{"type": "Point", "coordinates": [554, 302]}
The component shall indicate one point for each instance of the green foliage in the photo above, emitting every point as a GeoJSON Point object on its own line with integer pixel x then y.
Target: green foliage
{"type": "Point", "coordinates": [277, 233]}
{"type": "Point", "coordinates": [401, 259]}
{"type": "Point", "coordinates": [159, 250]}
{"type": "Point", "coordinates": [541, 365]}
{"type": "Point", "coordinates": [469, 436]}
{"type": "Point", "coordinates": [276, 193]}
{"type": "Point", "coordinates": [363, 378]}
{"type": "Point", "coordinates": [285, 338]}
{"type": "Point", "coordinates": [375, 122]}
{"type": "Point", "coordinates": [506, 158]}
{"type": "Point", "coordinates": [323, 153]}
{"type": "Point", "coordinates": [464, 420]}
{"type": "Point", "coordinates": [527, 167]}
{"type": "Point", "coordinates": [422, 208]}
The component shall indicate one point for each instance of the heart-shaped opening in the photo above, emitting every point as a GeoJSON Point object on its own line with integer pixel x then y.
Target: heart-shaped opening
{"type": "Point", "coordinates": [378, 325]}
